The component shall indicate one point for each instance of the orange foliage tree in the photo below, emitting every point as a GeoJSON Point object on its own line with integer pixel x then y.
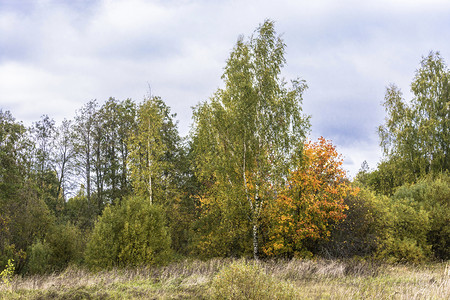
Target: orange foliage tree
{"type": "Point", "coordinates": [312, 200]}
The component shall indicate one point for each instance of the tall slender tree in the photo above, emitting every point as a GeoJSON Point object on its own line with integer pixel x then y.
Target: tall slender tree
{"type": "Point", "coordinates": [65, 154]}
{"type": "Point", "coordinates": [151, 146]}
{"type": "Point", "coordinates": [247, 136]}
{"type": "Point", "coordinates": [127, 111]}
{"type": "Point", "coordinates": [44, 132]}
{"type": "Point", "coordinates": [416, 133]}
{"type": "Point", "coordinates": [84, 143]}
{"type": "Point", "coordinates": [116, 121]}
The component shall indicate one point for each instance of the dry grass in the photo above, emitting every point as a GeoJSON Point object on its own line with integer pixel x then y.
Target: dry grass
{"type": "Point", "coordinates": [192, 280]}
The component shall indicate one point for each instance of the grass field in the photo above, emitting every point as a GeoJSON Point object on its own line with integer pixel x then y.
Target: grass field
{"type": "Point", "coordinates": [240, 279]}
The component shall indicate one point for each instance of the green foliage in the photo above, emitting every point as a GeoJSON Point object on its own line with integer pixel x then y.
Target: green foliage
{"type": "Point", "coordinates": [38, 258]}
{"type": "Point", "coordinates": [44, 133]}
{"type": "Point", "coordinates": [404, 250]}
{"type": "Point", "coordinates": [419, 213]}
{"type": "Point", "coordinates": [29, 219]}
{"type": "Point", "coordinates": [360, 232]}
{"type": "Point", "coordinates": [387, 227]}
{"type": "Point", "coordinates": [246, 280]}
{"type": "Point", "coordinates": [153, 147]}
{"type": "Point", "coordinates": [395, 229]}
{"type": "Point", "coordinates": [19, 206]}
{"type": "Point", "coordinates": [432, 194]}
{"type": "Point", "coordinates": [144, 237]}
{"type": "Point", "coordinates": [407, 238]}
{"type": "Point", "coordinates": [47, 189]}
{"type": "Point", "coordinates": [84, 127]}
{"type": "Point", "coordinates": [416, 136]}
{"type": "Point", "coordinates": [13, 156]}
{"type": "Point", "coordinates": [385, 179]}
{"type": "Point", "coordinates": [8, 272]}
{"type": "Point", "coordinates": [10, 251]}
{"type": "Point", "coordinates": [132, 233]}
{"type": "Point", "coordinates": [112, 125]}
{"type": "Point", "coordinates": [223, 228]}
{"type": "Point", "coordinates": [248, 135]}
{"type": "Point", "coordinates": [78, 211]}
{"type": "Point", "coordinates": [158, 166]}
{"type": "Point", "coordinates": [399, 227]}
{"type": "Point", "coordinates": [64, 245]}
{"type": "Point", "coordinates": [117, 121]}
{"type": "Point", "coordinates": [103, 246]}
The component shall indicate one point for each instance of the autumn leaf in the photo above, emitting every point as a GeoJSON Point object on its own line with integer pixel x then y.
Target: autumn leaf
{"type": "Point", "coordinates": [312, 200]}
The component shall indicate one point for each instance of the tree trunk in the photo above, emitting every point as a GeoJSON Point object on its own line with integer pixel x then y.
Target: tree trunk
{"type": "Point", "coordinates": [255, 240]}
{"type": "Point", "coordinates": [88, 175]}
{"type": "Point", "coordinates": [150, 188]}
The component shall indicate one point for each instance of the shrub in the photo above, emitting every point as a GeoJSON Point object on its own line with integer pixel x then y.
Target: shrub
{"type": "Point", "coordinates": [103, 246]}
{"type": "Point", "coordinates": [38, 258]}
{"type": "Point", "coordinates": [430, 196]}
{"type": "Point", "coordinates": [244, 280]}
{"type": "Point", "coordinates": [9, 251]}
{"type": "Point", "coordinates": [360, 232]}
{"type": "Point", "coordinates": [405, 238]}
{"type": "Point", "coordinates": [64, 244]}
{"type": "Point", "coordinates": [130, 234]}
{"type": "Point", "coordinates": [404, 250]}
{"type": "Point", "coordinates": [8, 272]}
{"type": "Point", "coordinates": [393, 228]}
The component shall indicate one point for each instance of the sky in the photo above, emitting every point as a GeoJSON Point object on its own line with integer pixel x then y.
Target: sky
{"type": "Point", "coordinates": [57, 55]}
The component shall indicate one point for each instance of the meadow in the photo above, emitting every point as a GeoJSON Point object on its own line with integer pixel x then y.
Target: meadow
{"type": "Point", "coordinates": [240, 279]}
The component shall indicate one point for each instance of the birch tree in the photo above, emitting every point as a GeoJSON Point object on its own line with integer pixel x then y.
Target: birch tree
{"type": "Point", "coordinates": [416, 134]}
{"type": "Point", "coordinates": [249, 133]}
{"type": "Point", "coordinates": [149, 149]}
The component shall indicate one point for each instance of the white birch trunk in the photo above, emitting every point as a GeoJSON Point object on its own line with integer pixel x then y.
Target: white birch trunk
{"type": "Point", "coordinates": [255, 241]}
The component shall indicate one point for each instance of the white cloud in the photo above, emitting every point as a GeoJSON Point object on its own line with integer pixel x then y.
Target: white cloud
{"type": "Point", "coordinates": [55, 55]}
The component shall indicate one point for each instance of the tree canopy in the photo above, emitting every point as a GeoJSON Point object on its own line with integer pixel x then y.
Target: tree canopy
{"type": "Point", "coordinates": [248, 135]}
{"type": "Point", "coordinates": [118, 186]}
{"type": "Point", "coordinates": [416, 133]}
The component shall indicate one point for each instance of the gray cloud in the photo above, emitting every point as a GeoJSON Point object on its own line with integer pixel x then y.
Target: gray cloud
{"type": "Point", "coordinates": [57, 55]}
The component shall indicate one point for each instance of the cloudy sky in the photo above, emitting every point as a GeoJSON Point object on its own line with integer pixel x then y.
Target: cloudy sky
{"type": "Point", "coordinates": [56, 55]}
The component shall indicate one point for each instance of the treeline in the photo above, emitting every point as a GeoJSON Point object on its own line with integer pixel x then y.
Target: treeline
{"type": "Point", "coordinates": [118, 186]}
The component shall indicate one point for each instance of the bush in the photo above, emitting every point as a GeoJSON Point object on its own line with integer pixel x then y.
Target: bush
{"type": "Point", "coordinates": [63, 245]}
{"type": "Point", "coordinates": [7, 274]}
{"type": "Point", "coordinates": [67, 244]}
{"type": "Point", "coordinates": [433, 195]}
{"type": "Point", "coordinates": [7, 252]}
{"type": "Point", "coordinates": [130, 234]}
{"type": "Point", "coordinates": [360, 232]}
{"type": "Point", "coordinates": [390, 228]}
{"type": "Point", "coordinates": [38, 259]}
{"type": "Point", "coordinates": [243, 280]}
{"type": "Point", "coordinates": [405, 236]}
{"type": "Point", "coordinates": [404, 250]}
